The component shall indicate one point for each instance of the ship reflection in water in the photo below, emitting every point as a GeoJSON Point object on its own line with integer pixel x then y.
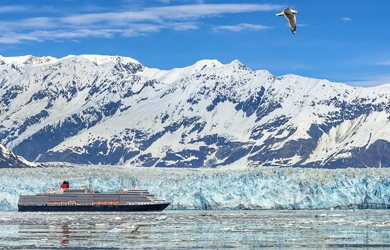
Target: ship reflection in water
{"type": "Point", "coordinates": [65, 235]}
{"type": "Point", "coordinates": [199, 229]}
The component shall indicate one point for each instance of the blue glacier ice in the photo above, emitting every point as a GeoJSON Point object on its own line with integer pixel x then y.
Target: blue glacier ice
{"type": "Point", "coordinates": [260, 188]}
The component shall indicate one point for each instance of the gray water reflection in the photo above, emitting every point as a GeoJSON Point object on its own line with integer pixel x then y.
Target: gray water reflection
{"type": "Point", "coordinates": [309, 229]}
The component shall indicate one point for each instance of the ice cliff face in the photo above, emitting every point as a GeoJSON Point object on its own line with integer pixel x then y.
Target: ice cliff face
{"type": "Point", "coordinates": [260, 188]}
{"type": "Point", "coordinates": [95, 109]}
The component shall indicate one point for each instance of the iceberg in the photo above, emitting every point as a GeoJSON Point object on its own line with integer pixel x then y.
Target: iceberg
{"type": "Point", "coordinates": [210, 189]}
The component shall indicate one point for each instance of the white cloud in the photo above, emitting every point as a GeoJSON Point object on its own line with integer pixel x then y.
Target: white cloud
{"type": "Point", "coordinates": [184, 26]}
{"type": "Point", "coordinates": [242, 26]}
{"type": "Point", "coordinates": [158, 14]}
{"type": "Point", "coordinates": [169, 1]}
{"type": "Point", "coordinates": [12, 37]}
{"type": "Point", "coordinates": [383, 63]}
{"type": "Point", "coordinates": [29, 23]}
{"type": "Point", "coordinates": [346, 19]}
{"type": "Point", "coordinates": [12, 8]}
{"type": "Point", "coordinates": [128, 23]}
{"type": "Point", "coordinates": [371, 81]}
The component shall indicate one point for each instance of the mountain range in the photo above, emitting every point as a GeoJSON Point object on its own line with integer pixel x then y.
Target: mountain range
{"type": "Point", "coordinates": [112, 110]}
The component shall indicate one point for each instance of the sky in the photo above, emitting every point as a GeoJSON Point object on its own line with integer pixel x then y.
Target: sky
{"type": "Point", "coordinates": [341, 41]}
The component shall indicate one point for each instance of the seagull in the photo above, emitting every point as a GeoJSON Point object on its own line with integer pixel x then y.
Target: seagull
{"type": "Point", "coordinates": [290, 15]}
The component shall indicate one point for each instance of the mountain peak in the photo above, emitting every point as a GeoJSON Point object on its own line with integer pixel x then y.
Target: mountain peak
{"type": "Point", "coordinates": [169, 76]}
{"type": "Point", "coordinates": [27, 60]}
{"type": "Point", "coordinates": [236, 64]}
{"type": "Point", "coordinates": [202, 64]}
{"type": "Point", "coordinates": [102, 59]}
{"type": "Point", "coordinates": [124, 63]}
{"type": "Point", "coordinates": [9, 160]}
{"type": "Point", "coordinates": [236, 61]}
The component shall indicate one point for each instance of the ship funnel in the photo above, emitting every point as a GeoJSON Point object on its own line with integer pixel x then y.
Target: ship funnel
{"type": "Point", "coordinates": [65, 184]}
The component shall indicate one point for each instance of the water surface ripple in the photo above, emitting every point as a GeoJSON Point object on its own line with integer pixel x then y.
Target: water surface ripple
{"type": "Point", "coordinates": [199, 229]}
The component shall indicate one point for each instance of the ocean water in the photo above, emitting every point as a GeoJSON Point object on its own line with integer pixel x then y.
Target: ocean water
{"type": "Point", "coordinates": [199, 229]}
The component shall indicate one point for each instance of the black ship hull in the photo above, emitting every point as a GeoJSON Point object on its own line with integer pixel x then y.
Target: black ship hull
{"type": "Point", "coordinates": [94, 208]}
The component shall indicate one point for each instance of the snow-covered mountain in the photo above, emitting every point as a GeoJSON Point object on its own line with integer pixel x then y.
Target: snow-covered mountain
{"type": "Point", "coordinates": [9, 160]}
{"type": "Point", "coordinates": [93, 109]}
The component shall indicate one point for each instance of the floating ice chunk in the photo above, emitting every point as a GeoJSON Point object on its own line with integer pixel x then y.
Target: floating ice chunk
{"type": "Point", "coordinates": [127, 225]}
{"type": "Point", "coordinates": [161, 218]}
{"type": "Point", "coordinates": [115, 230]}
{"type": "Point", "coordinates": [338, 237]}
{"type": "Point", "coordinates": [304, 228]}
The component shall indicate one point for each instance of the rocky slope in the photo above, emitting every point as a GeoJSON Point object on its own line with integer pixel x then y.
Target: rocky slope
{"type": "Point", "coordinates": [9, 160]}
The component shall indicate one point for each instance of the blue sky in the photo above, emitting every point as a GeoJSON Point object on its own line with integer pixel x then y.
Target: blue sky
{"type": "Point", "coordinates": [342, 41]}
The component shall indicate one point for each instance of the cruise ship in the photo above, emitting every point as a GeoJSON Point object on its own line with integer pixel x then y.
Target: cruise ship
{"type": "Point", "coordinates": [82, 199]}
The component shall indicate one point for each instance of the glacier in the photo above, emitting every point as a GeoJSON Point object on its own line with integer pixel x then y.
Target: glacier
{"type": "Point", "coordinates": [212, 189]}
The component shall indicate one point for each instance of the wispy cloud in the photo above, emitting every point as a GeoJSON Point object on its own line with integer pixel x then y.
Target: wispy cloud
{"type": "Point", "coordinates": [158, 14]}
{"type": "Point", "coordinates": [346, 19]}
{"type": "Point", "coordinates": [371, 81]}
{"type": "Point", "coordinates": [383, 63]}
{"type": "Point", "coordinates": [28, 24]}
{"type": "Point", "coordinates": [12, 8]}
{"type": "Point", "coordinates": [242, 26]}
{"type": "Point", "coordinates": [170, 1]}
{"type": "Point", "coordinates": [127, 23]}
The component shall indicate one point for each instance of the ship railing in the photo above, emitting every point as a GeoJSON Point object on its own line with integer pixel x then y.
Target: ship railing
{"type": "Point", "coordinates": [105, 202]}
{"type": "Point", "coordinates": [62, 203]}
{"type": "Point", "coordinates": [139, 203]}
{"type": "Point", "coordinates": [73, 203]}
